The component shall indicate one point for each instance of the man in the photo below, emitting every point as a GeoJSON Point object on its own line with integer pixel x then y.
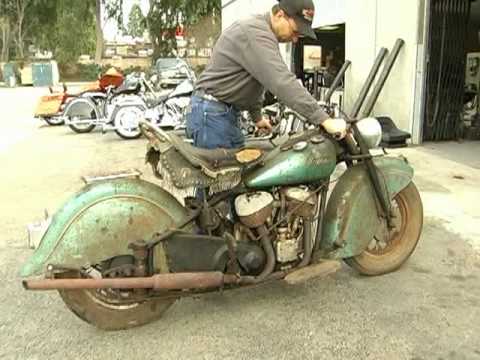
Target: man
{"type": "Point", "coordinates": [246, 60]}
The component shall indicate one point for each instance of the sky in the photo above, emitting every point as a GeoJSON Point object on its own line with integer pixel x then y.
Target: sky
{"type": "Point", "coordinates": [110, 27]}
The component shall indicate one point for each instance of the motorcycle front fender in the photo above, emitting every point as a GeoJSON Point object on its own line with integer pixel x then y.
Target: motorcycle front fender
{"type": "Point", "coordinates": [351, 218]}
{"type": "Point", "coordinates": [100, 221]}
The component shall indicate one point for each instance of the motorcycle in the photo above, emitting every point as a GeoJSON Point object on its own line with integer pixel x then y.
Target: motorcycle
{"type": "Point", "coordinates": [85, 112]}
{"type": "Point", "coordinates": [167, 111]}
{"type": "Point", "coordinates": [122, 108]}
{"type": "Point", "coordinates": [121, 251]}
{"type": "Point", "coordinates": [51, 108]}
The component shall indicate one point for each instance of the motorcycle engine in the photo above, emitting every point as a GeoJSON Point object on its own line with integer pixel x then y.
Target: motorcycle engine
{"type": "Point", "coordinates": [295, 205]}
{"type": "Point", "coordinates": [301, 205]}
{"type": "Point", "coordinates": [254, 209]}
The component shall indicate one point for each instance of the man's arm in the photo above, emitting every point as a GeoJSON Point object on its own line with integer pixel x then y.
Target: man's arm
{"type": "Point", "coordinates": [256, 110]}
{"type": "Point", "coordinates": [260, 56]}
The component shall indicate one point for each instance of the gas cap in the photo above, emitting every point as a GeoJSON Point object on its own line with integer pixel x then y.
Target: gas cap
{"type": "Point", "coordinates": [300, 146]}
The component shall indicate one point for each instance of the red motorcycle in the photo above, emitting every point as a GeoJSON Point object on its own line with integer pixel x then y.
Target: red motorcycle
{"type": "Point", "coordinates": [51, 107]}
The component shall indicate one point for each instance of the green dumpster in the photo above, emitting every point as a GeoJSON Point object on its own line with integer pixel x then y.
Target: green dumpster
{"type": "Point", "coordinates": [9, 74]}
{"type": "Point", "coordinates": [42, 74]}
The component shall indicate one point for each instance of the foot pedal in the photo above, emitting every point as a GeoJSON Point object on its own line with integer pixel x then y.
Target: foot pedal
{"type": "Point", "coordinates": [320, 269]}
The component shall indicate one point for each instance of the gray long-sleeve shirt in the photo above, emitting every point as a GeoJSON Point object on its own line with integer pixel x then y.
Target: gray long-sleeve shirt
{"type": "Point", "coordinates": [246, 59]}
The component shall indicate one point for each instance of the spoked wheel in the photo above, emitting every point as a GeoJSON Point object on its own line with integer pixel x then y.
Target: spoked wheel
{"type": "Point", "coordinates": [126, 121]}
{"type": "Point", "coordinates": [390, 248]}
{"type": "Point", "coordinates": [113, 309]}
{"type": "Point", "coordinates": [81, 110]}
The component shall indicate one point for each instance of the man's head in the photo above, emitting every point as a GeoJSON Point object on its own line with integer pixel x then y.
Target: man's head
{"type": "Point", "coordinates": [292, 19]}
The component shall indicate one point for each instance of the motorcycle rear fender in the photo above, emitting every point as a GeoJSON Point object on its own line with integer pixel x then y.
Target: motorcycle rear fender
{"type": "Point", "coordinates": [101, 220]}
{"type": "Point", "coordinates": [351, 218]}
{"type": "Point", "coordinates": [84, 100]}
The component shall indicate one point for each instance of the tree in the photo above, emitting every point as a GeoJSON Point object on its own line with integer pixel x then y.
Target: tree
{"type": "Point", "coordinates": [75, 29]}
{"type": "Point", "coordinates": [21, 7]}
{"type": "Point", "coordinates": [165, 16]}
{"type": "Point", "coordinates": [67, 27]}
{"type": "Point", "coordinates": [98, 31]}
{"type": "Point", "coordinates": [136, 22]}
{"type": "Point", "coordinates": [6, 18]}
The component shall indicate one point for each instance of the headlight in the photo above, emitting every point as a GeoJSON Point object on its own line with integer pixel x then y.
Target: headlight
{"type": "Point", "coordinates": [371, 131]}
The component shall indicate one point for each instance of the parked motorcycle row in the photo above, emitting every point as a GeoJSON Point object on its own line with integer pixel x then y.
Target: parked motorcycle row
{"type": "Point", "coordinates": [118, 103]}
{"type": "Point", "coordinates": [122, 250]}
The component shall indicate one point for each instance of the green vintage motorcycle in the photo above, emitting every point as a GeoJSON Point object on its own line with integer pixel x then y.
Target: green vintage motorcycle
{"type": "Point", "coordinates": [121, 251]}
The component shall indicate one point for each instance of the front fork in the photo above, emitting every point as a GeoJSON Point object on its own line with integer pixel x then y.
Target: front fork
{"type": "Point", "coordinates": [361, 152]}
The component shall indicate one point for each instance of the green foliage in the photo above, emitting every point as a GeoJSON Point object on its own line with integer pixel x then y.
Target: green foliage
{"type": "Point", "coordinates": [201, 18]}
{"type": "Point", "coordinates": [74, 30]}
{"type": "Point", "coordinates": [89, 72]}
{"type": "Point", "coordinates": [136, 22]}
{"type": "Point", "coordinates": [67, 27]}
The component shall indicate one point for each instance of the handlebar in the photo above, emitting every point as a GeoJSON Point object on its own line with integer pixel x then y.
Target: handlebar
{"type": "Point", "coordinates": [336, 136]}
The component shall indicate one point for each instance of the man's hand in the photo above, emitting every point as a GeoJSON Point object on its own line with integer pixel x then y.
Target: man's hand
{"type": "Point", "coordinates": [264, 126]}
{"type": "Point", "coordinates": [335, 127]}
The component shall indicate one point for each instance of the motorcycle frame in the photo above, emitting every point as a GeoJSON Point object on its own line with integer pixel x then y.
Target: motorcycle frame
{"type": "Point", "coordinates": [355, 145]}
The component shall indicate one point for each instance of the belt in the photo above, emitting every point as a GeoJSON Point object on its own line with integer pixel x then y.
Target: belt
{"type": "Point", "coordinates": [202, 94]}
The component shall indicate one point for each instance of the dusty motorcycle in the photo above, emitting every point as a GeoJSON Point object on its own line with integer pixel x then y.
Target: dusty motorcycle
{"type": "Point", "coordinates": [122, 250]}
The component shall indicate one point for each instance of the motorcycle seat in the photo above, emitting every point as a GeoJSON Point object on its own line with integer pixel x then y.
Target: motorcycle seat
{"type": "Point", "coordinates": [127, 90]}
{"type": "Point", "coordinates": [157, 101]}
{"type": "Point", "coordinates": [216, 159]}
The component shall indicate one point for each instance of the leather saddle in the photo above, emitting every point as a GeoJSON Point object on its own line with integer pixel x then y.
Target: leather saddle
{"type": "Point", "coordinates": [215, 160]}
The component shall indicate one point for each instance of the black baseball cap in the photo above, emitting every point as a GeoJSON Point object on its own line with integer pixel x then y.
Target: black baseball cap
{"type": "Point", "coordinates": [302, 11]}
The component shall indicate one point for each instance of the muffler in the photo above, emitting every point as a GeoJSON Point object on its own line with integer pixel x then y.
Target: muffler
{"type": "Point", "coordinates": [173, 281]}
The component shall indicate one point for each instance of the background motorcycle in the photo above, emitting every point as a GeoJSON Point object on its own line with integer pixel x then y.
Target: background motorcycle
{"type": "Point", "coordinates": [167, 111]}
{"type": "Point", "coordinates": [84, 114]}
{"type": "Point", "coordinates": [51, 107]}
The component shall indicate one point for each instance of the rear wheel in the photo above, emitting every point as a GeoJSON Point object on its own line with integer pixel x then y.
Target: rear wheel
{"type": "Point", "coordinates": [54, 120]}
{"type": "Point", "coordinates": [91, 233]}
{"type": "Point", "coordinates": [81, 110]}
{"type": "Point", "coordinates": [110, 309]}
{"type": "Point", "coordinates": [390, 248]}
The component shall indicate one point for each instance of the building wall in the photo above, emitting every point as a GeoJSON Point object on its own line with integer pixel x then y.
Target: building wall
{"type": "Point", "coordinates": [370, 25]}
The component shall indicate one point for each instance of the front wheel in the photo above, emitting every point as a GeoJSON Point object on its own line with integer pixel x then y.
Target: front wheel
{"type": "Point", "coordinates": [126, 121]}
{"type": "Point", "coordinates": [390, 248]}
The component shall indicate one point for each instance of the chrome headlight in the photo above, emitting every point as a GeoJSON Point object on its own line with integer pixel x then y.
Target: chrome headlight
{"type": "Point", "coordinates": [371, 131]}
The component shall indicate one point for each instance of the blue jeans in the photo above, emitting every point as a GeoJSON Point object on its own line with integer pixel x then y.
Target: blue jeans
{"type": "Point", "coordinates": [214, 125]}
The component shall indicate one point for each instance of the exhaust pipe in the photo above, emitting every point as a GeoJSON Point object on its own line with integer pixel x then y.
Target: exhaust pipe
{"type": "Point", "coordinates": [174, 281]}
{"type": "Point", "coordinates": [368, 83]}
{"type": "Point", "coordinates": [383, 78]}
{"type": "Point", "coordinates": [337, 80]}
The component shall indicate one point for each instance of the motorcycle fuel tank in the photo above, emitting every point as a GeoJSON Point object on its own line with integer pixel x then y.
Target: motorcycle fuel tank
{"type": "Point", "coordinates": [302, 162]}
